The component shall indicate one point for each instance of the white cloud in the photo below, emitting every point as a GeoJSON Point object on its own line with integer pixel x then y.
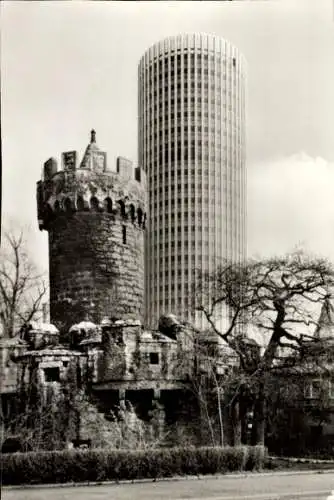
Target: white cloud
{"type": "Point", "coordinates": [291, 204]}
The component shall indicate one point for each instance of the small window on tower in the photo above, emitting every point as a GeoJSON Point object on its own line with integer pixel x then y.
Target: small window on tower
{"type": "Point", "coordinates": [124, 235]}
{"type": "Point", "coordinates": [154, 358]}
{"type": "Point", "coordinates": [51, 374]}
{"type": "Point", "coordinates": [234, 62]}
{"type": "Point", "coordinates": [133, 213]}
{"type": "Point", "coordinates": [139, 216]}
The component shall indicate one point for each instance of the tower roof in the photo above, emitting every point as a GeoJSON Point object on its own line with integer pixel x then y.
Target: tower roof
{"type": "Point", "coordinates": [325, 326]}
{"type": "Point", "coordinates": [94, 158]}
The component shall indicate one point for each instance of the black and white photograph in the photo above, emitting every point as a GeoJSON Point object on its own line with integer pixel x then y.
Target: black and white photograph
{"type": "Point", "coordinates": [167, 250]}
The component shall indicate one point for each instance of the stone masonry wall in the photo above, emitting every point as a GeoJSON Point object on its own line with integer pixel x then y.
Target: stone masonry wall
{"type": "Point", "coordinates": [9, 348]}
{"type": "Point", "coordinates": [96, 267]}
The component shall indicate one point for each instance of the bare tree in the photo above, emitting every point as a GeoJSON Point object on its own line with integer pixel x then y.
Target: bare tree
{"type": "Point", "coordinates": [277, 297]}
{"type": "Point", "coordinates": [211, 378]}
{"type": "Point", "coordinates": [22, 287]}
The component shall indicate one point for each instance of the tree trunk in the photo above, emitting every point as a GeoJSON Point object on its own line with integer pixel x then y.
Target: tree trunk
{"type": "Point", "coordinates": [243, 421]}
{"type": "Point", "coordinates": [221, 425]}
{"type": "Point", "coordinates": [259, 419]}
{"type": "Point", "coordinates": [235, 410]}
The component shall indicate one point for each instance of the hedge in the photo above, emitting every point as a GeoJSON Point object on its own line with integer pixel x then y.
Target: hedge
{"type": "Point", "coordinates": [114, 465]}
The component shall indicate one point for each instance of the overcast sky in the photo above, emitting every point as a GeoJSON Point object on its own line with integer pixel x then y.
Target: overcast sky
{"type": "Point", "coordinates": [67, 67]}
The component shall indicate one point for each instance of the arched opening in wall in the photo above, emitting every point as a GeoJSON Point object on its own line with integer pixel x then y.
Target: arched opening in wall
{"type": "Point", "coordinates": [140, 216]}
{"type": "Point", "coordinates": [132, 213]}
{"type": "Point", "coordinates": [68, 206]}
{"type": "Point", "coordinates": [80, 204]}
{"type": "Point", "coordinates": [122, 205]}
{"type": "Point", "coordinates": [56, 207]}
{"type": "Point", "coordinates": [124, 234]}
{"type": "Point", "coordinates": [94, 204]}
{"type": "Point", "coordinates": [108, 205]}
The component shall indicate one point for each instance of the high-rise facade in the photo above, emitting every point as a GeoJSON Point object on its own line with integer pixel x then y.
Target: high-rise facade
{"type": "Point", "coordinates": [192, 146]}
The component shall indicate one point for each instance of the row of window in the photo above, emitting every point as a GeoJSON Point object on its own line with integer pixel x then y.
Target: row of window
{"type": "Point", "coordinates": [218, 107]}
{"type": "Point", "coordinates": [189, 230]}
{"type": "Point", "coordinates": [171, 273]}
{"type": "Point", "coordinates": [188, 103]}
{"type": "Point", "coordinates": [228, 155]}
{"type": "Point", "coordinates": [217, 148]}
{"type": "Point", "coordinates": [171, 230]}
{"type": "Point", "coordinates": [202, 238]}
{"type": "Point", "coordinates": [177, 286]}
{"type": "Point", "coordinates": [166, 96]}
{"type": "Point", "coordinates": [174, 187]}
{"type": "Point", "coordinates": [232, 167]}
{"type": "Point", "coordinates": [185, 85]}
{"type": "Point", "coordinates": [186, 143]}
{"type": "Point", "coordinates": [201, 70]}
{"type": "Point", "coordinates": [189, 138]}
{"type": "Point", "coordinates": [189, 260]}
{"type": "Point", "coordinates": [190, 85]}
{"type": "Point", "coordinates": [203, 175]}
{"type": "Point", "coordinates": [191, 129]}
{"type": "Point", "coordinates": [183, 216]}
{"type": "Point", "coordinates": [192, 231]}
{"type": "Point", "coordinates": [199, 57]}
{"type": "Point", "coordinates": [201, 73]}
{"type": "Point", "coordinates": [219, 125]}
{"type": "Point", "coordinates": [216, 145]}
{"type": "Point", "coordinates": [185, 243]}
{"type": "Point", "coordinates": [191, 201]}
{"type": "Point", "coordinates": [201, 170]}
{"type": "Point", "coordinates": [173, 120]}
{"type": "Point", "coordinates": [189, 53]}
{"type": "Point", "coordinates": [187, 93]}
{"type": "Point", "coordinates": [198, 115]}
{"type": "Point", "coordinates": [214, 196]}
{"type": "Point", "coordinates": [188, 155]}
{"type": "Point", "coordinates": [172, 190]}
{"type": "Point", "coordinates": [164, 243]}
{"type": "Point", "coordinates": [204, 78]}
{"type": "Point", "coordinates": [178, 69]}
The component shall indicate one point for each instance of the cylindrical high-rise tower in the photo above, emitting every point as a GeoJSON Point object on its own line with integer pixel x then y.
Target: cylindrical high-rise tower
{"type": "Point", "coordinates": [95, 219]}
{"type": "Point", "coordinates": [192, 147]}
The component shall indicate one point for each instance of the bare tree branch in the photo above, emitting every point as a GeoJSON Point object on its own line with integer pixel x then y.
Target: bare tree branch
{"type": "Point", "coordinates": [22, 288]}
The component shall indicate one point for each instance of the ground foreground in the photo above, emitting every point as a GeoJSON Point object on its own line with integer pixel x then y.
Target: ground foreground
{"type": "Point", "coordinates": [287, 486]}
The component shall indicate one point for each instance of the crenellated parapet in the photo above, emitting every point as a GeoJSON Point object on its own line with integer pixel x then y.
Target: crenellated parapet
{"type": "Point", "coordinates": [91, 187]}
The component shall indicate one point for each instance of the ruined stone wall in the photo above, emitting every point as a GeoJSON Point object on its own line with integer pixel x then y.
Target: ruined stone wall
{"type": "Point", "coordinates": [93, 270]}
{"type": "Point", "coordinates": [142, 357]}
{"type": "Point", "coordinates": [9, 348]}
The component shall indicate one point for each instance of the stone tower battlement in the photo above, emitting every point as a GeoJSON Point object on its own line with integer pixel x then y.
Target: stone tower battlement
{"type": "Point", "coordinates": [95, 219]}
{"type": "Point", "coordinates": [91, 187]}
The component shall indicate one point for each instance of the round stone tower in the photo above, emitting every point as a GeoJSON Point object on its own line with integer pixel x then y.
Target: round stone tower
{"type": "Point", "coordinates": [95, 219]}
